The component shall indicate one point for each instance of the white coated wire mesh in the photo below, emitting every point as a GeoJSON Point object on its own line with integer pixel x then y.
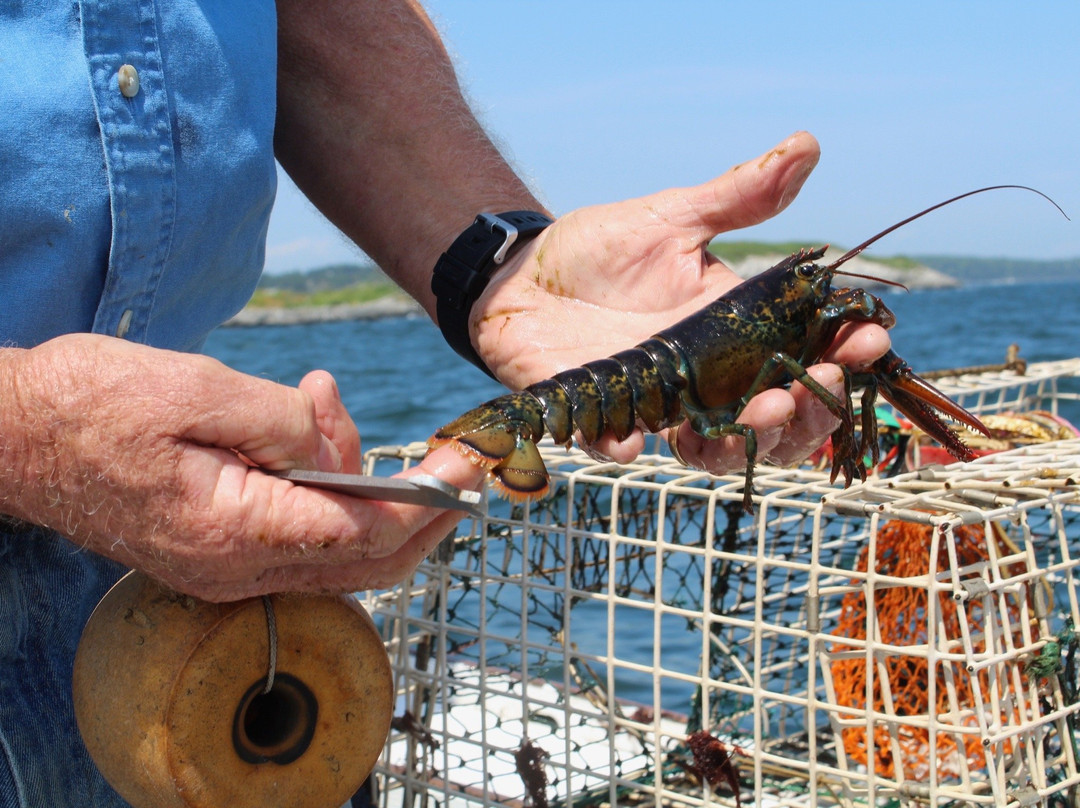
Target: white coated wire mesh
{"type": "Point", "coordinates": [563, 653]}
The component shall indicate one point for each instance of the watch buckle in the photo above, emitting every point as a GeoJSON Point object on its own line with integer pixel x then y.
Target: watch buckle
{"type": "Point", "coordinates": [492, 223]}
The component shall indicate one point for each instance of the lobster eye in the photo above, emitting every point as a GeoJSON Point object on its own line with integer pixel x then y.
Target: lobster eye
{"type": "Point", "coordinates": [806, 271]}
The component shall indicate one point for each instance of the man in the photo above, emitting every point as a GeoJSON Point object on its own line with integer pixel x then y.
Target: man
{"type": "Point", "coordinates": [137, 150]}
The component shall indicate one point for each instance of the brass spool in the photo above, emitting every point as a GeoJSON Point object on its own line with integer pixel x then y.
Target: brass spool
{"type": "Point", "coordinates": [169, 698]}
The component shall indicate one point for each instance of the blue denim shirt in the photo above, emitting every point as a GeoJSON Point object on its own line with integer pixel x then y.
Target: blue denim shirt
{"type": "Point", "coordinates": [140, 214]}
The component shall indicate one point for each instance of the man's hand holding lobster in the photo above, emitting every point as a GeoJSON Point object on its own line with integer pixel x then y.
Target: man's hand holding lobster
{"type": "Point", "coordinates": [601, 279]}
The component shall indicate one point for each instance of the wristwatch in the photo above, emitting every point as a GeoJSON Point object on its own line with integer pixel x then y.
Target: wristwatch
{"type": "Point", "coordinates": [463, 271]}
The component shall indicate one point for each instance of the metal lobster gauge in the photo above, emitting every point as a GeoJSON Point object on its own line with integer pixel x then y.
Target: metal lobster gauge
{"type": "Point", "coordinates": [636, 639]}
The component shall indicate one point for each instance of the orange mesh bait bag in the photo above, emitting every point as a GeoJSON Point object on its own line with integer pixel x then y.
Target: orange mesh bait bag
{"type": "Point", "coordinates": [901, 681]}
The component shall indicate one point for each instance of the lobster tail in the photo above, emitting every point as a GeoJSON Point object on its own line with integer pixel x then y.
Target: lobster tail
{"type": "Point", "coordinates": [616, 399]}
{"type": "Point", "coordinates": [501, 436]}
{"type": "Point", "coordinates": [570, 399]}
{"type": "Point", "coordinates": [604, 395]}
{"type": "Point", "coordinates": [650, 372]}
{"type": "Point", "coordinates": [596, 397]}
{"type": "Point", "coordinates": [522, 475]}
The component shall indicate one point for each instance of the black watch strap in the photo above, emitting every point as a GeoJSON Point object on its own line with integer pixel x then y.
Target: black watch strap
{"type": "Point", "coordinates": [463, 271]}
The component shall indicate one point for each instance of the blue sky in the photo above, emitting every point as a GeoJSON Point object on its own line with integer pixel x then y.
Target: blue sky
{"type": "Point", "coordinates": [596, 100]}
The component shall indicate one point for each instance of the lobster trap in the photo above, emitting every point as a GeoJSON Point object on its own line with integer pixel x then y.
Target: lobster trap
{"type": "Point", "coordinates": [637, 639]}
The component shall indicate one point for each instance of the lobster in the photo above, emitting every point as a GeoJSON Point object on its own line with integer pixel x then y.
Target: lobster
{"type": "Point", "coordinates": [704, 369]}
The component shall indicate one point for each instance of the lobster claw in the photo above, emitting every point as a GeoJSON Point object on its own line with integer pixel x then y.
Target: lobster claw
{"type": "Point", "coordinates": [921, 402]}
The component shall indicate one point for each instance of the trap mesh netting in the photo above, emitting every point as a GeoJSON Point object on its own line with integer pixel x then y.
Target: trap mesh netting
{"type": "Point", "coordinates": [637, 639]}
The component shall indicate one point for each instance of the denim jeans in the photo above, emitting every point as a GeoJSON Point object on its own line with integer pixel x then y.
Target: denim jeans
{"type": "Point", "coordinates": [48, 588]}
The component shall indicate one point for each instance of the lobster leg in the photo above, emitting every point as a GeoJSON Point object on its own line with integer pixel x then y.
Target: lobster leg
{"type": "Point", "coordinates": [846, 458]}
{"type": "Point", "coordinates": [717, 423]}
{"type": "Point", "coordinates": [869, 442]}
{"type": "Point", "coordinates": [745, 432]}
{"type": "Point", "coordinates": [921, 402]}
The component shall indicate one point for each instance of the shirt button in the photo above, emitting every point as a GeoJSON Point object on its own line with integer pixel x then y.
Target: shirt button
{"type": "Point", "coordinates": [125, 323]}
{"type": "Point", "coordinates": [128, 79]}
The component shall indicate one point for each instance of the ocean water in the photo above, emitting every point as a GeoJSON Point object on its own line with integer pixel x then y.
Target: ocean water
{"type": "Point", "coordinates": [973, 325]}
{"type": "Point", "coordinates": [400, 381]}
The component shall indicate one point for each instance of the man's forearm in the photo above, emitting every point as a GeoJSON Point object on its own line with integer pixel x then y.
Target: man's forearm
{"type": "Point", "coordinates": [372, 126]}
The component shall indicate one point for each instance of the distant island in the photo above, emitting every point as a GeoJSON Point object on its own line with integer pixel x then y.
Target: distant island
{"type": "Point", "coordinates": [329, 294]}
{"type": "Point", "coordinates": [396, 305]}
{"type": "Point", "coordinates": [363, 291]}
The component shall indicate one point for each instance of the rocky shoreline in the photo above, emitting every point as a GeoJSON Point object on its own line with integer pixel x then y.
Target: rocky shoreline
{"type": "Point", "coordinates": [301, 315]}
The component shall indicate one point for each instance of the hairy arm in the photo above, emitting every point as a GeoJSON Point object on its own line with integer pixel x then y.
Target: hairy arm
{"type": "Point", "coordinates": [373, 128]}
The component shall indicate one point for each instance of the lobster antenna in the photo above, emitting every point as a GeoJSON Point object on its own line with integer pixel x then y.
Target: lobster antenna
{"type": "Point", "coordinates": [856, 250]}
{"type": "Point", "coordinates": [885, 281]}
